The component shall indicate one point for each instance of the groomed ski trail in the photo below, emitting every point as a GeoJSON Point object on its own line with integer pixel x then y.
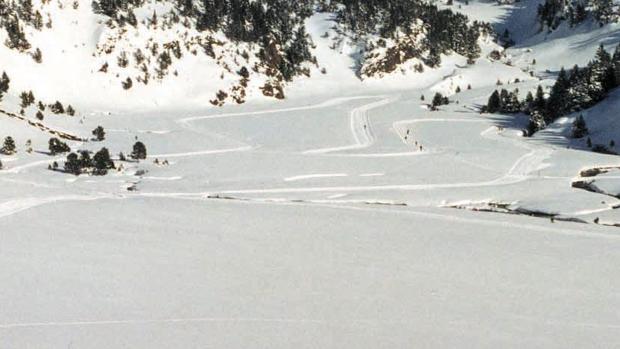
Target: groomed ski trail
{"type": "Point", "coordinates": [361, 128]}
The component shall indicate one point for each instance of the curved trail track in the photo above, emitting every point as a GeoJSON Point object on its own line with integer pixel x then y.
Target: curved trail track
{"type": "Point", "coordinates": [361, 129]}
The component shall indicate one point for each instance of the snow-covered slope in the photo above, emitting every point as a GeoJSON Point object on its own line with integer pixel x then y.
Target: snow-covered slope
{"type": "Point", "coordinates": [349, 214]}
{"type": "Point", "coordinates": [163, 60]}
{"type": "Point", "coordinates": [82, 52]}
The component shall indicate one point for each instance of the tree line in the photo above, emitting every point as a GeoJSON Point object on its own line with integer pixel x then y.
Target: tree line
{"type": "Point", "coordinates": [552, 13]}
{"type": "Point", "coordinates": [573, 91]}
{"type": "Point", "coordinates": [446, 31]}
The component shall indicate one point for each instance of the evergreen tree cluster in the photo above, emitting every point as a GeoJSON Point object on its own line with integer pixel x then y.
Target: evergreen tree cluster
{"type": "Point", "coordinates": [277, 26]}
{"type": "Point", "coordinates": [81, 162]}
{"type": "Point", "coordinates": [446, 31]}
{"type": "Point", "coordinates": [56, 146]}
{"type": "Point", "coordinates": [552, 13]}
{"type": "Point", "coordinates": [503, 102]}
{"type": "Point", "coordinates": [573, 91]}
{"type": "Point", "coordinates": [582, 87]}
{"type": "Point", "coordinates": [14, 15]}
{"type": "Point", "coordinates": [439, 100]}
{"type": "Point", "coordinates": [4, 85]}
{"type": "Point", "coordinates": [99, 164]}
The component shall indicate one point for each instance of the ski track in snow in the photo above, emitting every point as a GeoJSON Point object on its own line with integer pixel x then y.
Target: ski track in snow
{"type": "Point", "coordinates": [313, 176]}
{"type": "Point", "coordinates": [325, 104]}
{"type": "Point", "coordinates": [153, 321]}
{"type": "Point", "coordinates": [202, 152]}
{"type": "Point", "coordinates": [361, 128]}
{"type": "Point", "coordinates": [11, 207]}
{"type": "Point", "coordinates": [9, 326]}
{"type": "Point", "coordinates": [18, 169]}
{"type": "Point", "coordinates": [186, 123]}
{"type": "Point", "coordinates": [519, 172]}
{"type": "Point", "coordinates": [363, 136]}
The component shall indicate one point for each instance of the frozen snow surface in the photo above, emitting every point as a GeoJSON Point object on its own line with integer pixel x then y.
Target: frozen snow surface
{"type": "Point", "coordinates": [347, 216]}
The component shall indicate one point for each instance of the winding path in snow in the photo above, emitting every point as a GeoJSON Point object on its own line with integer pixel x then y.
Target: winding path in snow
{"type": "Point", "coordinates": [360, 124]}
{"type": "Point", "coordinates": [200, 152]}
{"type": "Point", "coordinates": [326, 104]}
{"type": "Point", "coordinates": [361, 128]}
{"type": "Point", "coordinates": [363, 136]}
{"type": "Point", "coordinates": [519, 172]}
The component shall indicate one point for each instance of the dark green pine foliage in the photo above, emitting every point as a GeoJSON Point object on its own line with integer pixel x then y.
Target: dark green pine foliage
{"type": "Point", "coordinates": [552, 13]}
{"type": "Point", "coordinates": [581, 89]}
{"type": "Point", "coordinates": [494, 103]}
{"type": "Point", "coordinates": [8, 148]}
{"type": "Point", "coordinates": [4, 82]}
{"type": "Point", "coordinates": [447, 31]}
{"type": "Point", "coordinates": [439, 100]}
{"type": "Point", "coordinates": [73, 164]}
{"type": "Point", "coordinates": [268, 23]}
{"type": "Point", "coordinates": [56, 146]}
{"type": "Point", "coordinates": [102, 162]}
{"type": "Point", "coordinates": [580, 129]}
{"type": "Point", "coordinates": [616, 65]}
{"type": "Point", "coordinates": [602, 70]}
{"type": "Point", "coordinates": [504, 102]}
{"type": "Point", "coordinates": [99, 133]}
{"type": "Point", "coordinates": [139, 151]}
{"type": "Point", "coordinates": [556, 104]}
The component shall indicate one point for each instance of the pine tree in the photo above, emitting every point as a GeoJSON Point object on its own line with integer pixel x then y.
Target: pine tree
{"type": "Point", "coordinates": [616, 65]}
{"type": "Point", "coordinates": [72, 164]}
{"type": "Point", "coordinates": [602, 71]}
{"type": "Point", "coordinates": [85, 160]}
{"type": "Point", "coordinates": [557, 103]}
{"type": "Point", "coordinates": [529, 100]}
{"type": "Point", "coordinates": [4, 82]}
{"type": "Point", "coordinates": [27, 99]}
{"type": "Point", "coordinates": [37, 56]}
{"type": "Point", "coordinates": [539, 101]}
{"type": "Point", "coordinates": [139, 151]}
{"type": "Point", "coordinates": [38, 20]}
{"type": "Point", "coordinates": [603, 10]}
{"type": "Point", "coordinates": [57, 108]}
{"type": "Point", "coordinates": [55, 146]}
{"type": "Point", "coordinates": [186, 6]}
{"type": "Point", "coordinates": [513, 105]}
{"type": "Point", "coordinates": [580, 129]}
{"type": "Point", "coordinates": [438, 100]}
{"type": "Point", "coordinates": [579, 95]}
{"type": "Point", "coordinates": [494, 103]}
{"type": "Point", "coordinates": [8, 148]}
{"type": "Point", "coordinates": [17, 37]}
{"type": "Point", "coordinates": [102, 161]}
{"type": "Point", "coordinates": [99, 133]}
{"type": "Point", "coordinates": [536, 122]}
{"type": "Point", "coordinates": [299, 50]}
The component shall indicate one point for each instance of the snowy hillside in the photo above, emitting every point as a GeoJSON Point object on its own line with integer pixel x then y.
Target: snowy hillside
{"type": "Point", "coordinates": [163, 55]}
{"type": "Point", "coordinates": [309, 174]}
